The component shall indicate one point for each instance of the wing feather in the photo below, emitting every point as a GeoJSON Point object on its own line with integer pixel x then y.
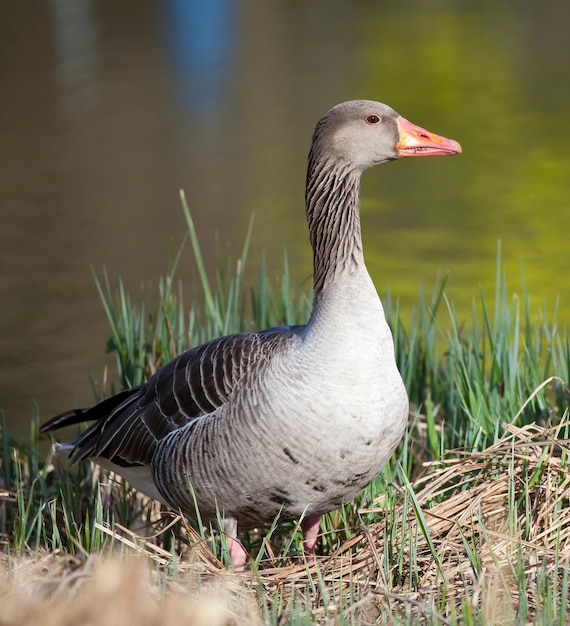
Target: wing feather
{"type": "Point", "coordinates": [197, 382]}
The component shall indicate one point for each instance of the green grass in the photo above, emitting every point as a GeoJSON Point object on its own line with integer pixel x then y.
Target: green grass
{"type": "Point", "coordinates": [470, 380]}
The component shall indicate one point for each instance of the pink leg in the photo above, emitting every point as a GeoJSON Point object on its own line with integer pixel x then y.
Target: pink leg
{"type": "Point", "coordinates": [310, 527]}
{"type": "Point", "coordinates": [238, 556]}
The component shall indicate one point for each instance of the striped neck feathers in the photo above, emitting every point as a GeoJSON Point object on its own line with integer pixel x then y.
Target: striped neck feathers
{"type": "Point", "coordinates": [333, 215]}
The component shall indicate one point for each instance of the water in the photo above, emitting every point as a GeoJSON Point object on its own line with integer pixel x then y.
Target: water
{"type": "Point", "coordinates": [107, 109]}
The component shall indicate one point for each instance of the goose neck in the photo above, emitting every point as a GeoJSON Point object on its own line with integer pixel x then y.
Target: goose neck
{"type": "Point", "coordinates": [333, 216]}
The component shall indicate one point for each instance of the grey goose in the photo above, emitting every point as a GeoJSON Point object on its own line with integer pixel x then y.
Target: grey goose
{"type": "Point", "coordinates": [286, 423]}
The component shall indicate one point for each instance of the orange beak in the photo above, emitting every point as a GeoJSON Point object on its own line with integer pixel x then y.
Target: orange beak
{"type": "Point", "coordinates": [418, 142]}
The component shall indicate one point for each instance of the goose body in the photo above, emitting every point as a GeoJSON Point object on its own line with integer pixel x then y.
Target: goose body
{"type": "Point", "coordinates": [289, 422]}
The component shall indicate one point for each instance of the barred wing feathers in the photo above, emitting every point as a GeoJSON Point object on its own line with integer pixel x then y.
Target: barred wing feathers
{"type": "Point", "coordinates": [129, 425]}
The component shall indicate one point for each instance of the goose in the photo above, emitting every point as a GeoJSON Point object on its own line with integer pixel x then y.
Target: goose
{"type": "Point", "coordinates": [286, 423]}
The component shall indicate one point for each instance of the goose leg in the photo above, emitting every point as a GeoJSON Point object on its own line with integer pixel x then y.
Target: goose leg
{"type": "Point", "coordinates": [310, 527]}
{"type": "Point", "coordinates": [238, 556]}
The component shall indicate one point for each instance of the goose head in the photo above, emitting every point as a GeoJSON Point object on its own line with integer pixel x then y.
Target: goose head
{"type": "Point", "coordinates": [364, 133]}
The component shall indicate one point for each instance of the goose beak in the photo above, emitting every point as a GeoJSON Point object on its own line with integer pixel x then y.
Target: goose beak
{"type": "Point", "coordinates": [415, 141]}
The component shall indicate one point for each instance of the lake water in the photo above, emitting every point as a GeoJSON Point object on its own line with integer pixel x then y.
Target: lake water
{"type": "Point", "coordinates": [107, 109]}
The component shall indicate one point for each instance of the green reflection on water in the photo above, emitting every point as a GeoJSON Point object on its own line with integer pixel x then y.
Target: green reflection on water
{"type": "Point", "coordinates": [461, 74]}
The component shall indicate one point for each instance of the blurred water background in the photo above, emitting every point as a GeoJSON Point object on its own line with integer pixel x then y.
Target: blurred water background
{"type": "Point", "coordinates": [108, 108]}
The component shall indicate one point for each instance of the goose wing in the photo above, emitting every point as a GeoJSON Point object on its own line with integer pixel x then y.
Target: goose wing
{"type": "Point", "coordinates": [128, 425]}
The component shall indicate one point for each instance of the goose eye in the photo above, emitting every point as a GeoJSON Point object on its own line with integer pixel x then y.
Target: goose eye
{"type": "Point", "coordinates": [372, 119]}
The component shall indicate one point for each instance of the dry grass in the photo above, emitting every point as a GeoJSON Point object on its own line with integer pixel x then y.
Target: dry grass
{"type": "Point", "coordinates": [476, 532]}
{"type": "Point", "coordinates": [486, 514]}
{"type": "Point", "coordinates": [62, 591]}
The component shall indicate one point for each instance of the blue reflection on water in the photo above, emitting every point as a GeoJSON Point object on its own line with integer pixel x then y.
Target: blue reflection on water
{"type": "Point", "coordinates": [199, 40]}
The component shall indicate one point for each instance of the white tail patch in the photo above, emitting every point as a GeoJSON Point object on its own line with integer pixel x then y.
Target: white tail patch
{"type": "Point", "coordinates": [138, 476]}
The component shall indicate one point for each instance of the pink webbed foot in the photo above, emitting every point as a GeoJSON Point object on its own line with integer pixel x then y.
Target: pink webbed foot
{"type": "Point", "coordinates": [310, 526]}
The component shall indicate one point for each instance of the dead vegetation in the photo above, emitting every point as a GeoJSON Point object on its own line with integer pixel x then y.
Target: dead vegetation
{"type": "Point", "coordinates": [484, 534]}
{"type": "Point", "coordinates": [65, 591]}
